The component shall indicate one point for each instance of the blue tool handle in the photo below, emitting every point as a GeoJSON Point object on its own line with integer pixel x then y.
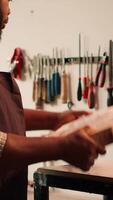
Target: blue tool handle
{"type": "Point", "coordinates": [49, 91]}
{"type": "Point", "coordinates": [57, 84]}
{"type": "Point", "coordinates": [79, 91]}
{"type": "Point", "coordinates": [53, 86]}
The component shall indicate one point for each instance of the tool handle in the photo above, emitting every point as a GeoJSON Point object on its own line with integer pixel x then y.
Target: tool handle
{"type": "Point", "coordinates": [110, 97]}
{"type": "Point", "coordinates": [103, 76]}
{"type": "Point", "coordinates": [53, 84]}
{"type": "Point", "coordinates": [39, 101]}
{"type": "Point", "coordinates": [64, 87]}
{"type": "Point", "coordinates": [91, 96]}
{"type": "Point", "coordinates": [79, 91]}
{"type": "Point", "coordinates": [49, 98]}
{"type": "Point", "coordinates": [52, 90]}
{"type": "Point", "coordinates": [45, 83]}
{"type": "Point", "coordinates": [85, 90]}
{"type": "Point", "coordinates": [44, 90]}
{"type": "Point", "coordinates": [98, 75]}
{"type": "Point", "coordinates": [57, 84]}
{"type": "Point", "coordinates": [34, 91]}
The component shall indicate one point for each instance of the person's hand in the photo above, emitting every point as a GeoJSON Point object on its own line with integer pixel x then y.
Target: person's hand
{"type": "Point", "coordinates": [68, 116]}
{"type": "Point", "coordinates": [80, 150]}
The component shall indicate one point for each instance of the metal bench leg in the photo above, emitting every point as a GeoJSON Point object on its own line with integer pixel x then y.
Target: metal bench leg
{"type": "Point", "coordinates": [41, 193]}
{"type": "Point", "coordinates": [108, 197]}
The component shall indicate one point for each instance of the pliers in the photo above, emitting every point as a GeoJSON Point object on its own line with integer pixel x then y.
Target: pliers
{"type": "Point", "coordinates": [101, 74]}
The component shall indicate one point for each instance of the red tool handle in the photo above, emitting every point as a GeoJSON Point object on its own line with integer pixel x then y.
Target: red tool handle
{"type": "Point", "coordinates": [85, 90]}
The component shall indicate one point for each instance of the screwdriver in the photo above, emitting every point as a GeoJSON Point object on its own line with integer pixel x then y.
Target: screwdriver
{"type": "Point", "coordinates": [85, 85]}
{"type": "Point", "coordinates": [91, 92]}
{"type": "Point", "coordinates": [79, 91]}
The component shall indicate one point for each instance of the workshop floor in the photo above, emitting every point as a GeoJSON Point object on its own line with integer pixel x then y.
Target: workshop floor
{"type": "Point", "coordinates": [58, 194]}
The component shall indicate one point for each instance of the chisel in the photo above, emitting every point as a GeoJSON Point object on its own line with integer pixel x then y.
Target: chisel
{"type": "Point", "coordinates": [35, 87]}
{"type": "Point", "coordinates": [64, 79]}
{"type": "Point", "coordinates": [39, 102]}
{"type": "Point", "coordinates": [44, 83]}
{"type": "Point", "coordinates": [49, 96]}
{"type": "Point", "coordinates": [79, 90]}
{"type": "Point", "coordinates": [57, 77]}
{"type": "Point", "coordinates": [53, 76]}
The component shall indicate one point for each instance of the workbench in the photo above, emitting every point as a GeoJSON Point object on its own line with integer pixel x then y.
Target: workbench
{"type": "Point", "coordinates": [98, 180]}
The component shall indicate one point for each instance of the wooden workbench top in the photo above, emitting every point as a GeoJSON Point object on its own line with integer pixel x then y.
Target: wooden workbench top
{"type": "Point", "coordinates": [101, 171]}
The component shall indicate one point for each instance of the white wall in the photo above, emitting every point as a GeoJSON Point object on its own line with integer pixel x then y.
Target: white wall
{"type": "Point", "coordinates": [40, 25]}
{"type": "Point", "coordinates": [57, 23]}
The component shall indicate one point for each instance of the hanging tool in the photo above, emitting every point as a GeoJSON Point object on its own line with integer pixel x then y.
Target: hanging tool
{"type": "Point", "coordinates": [91, 92]}
{"type": "Point", "coordinates": [53, 81]}
{"type": "Point", "coordinates": [49, 96]}
{"type": "Point", "coordinates": [35, 88]}
{"type": "Point", "coordinates": [69, 89]}
{"type": "Point", "coordinates": [44, 82]}
{"type": "Point", "coordinates": [79, 90]}
{"type": "Point", "coordinates": [85, 84]}
{"type": "Point", "coordinates": [53, 75]}
{"type": "Point", "coordinates": [57, 77]}
{"type": "Point", "coordinates": [39, 102]}
{"type": "Point", "coordinates": [64, 79]}
{"type": "Point", "coordinates": [101, 74]}
{"type": "Point", "coordinates": [96, 87]}
{"type": "Point", "coordinates": [88, 78]}
{"type": "Point", "coordinates": [110, 88]}
{"type": "Point", "coordinates": [35, 80]}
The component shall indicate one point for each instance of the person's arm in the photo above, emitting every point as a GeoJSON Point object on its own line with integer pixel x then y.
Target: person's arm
{"type": "Point", "coordinates": [77, 148]}
{"type": "Point", "coordinates": [37, 120]}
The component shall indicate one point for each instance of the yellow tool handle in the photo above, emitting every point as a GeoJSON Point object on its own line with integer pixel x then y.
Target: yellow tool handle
{"type": "Point", "coordinates": [64, 87]}
{"type": "Point", "coordinates": [35, 91]}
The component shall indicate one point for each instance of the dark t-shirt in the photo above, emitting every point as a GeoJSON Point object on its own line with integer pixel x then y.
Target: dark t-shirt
{"type": "Point", "coordinates": [13, 184]}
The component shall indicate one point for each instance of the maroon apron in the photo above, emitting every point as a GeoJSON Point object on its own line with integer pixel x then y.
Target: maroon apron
{"type": "Point", "coordinates": [13, 187]}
